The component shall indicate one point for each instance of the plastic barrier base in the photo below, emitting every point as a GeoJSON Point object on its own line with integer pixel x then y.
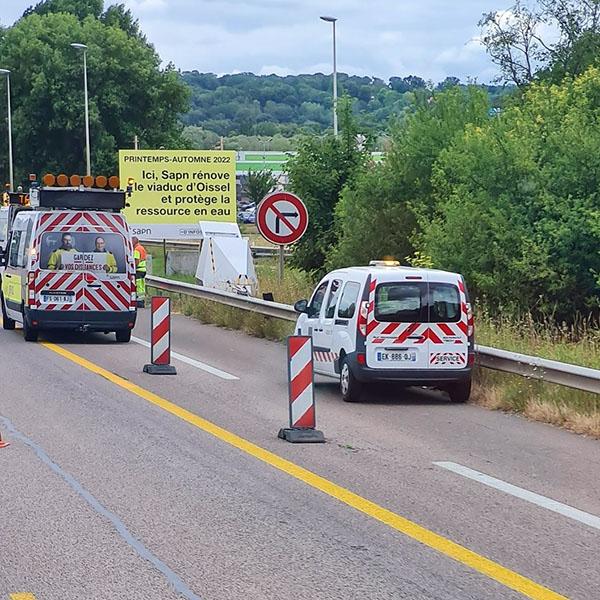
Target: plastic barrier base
{"type": "Point", "coordinates": [160, 369]}
{"type": "Point", "coordinates": [301, 436]}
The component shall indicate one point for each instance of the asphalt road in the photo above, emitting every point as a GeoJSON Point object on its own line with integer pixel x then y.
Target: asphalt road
{"type": "Point", "coordinates": [112, 491]}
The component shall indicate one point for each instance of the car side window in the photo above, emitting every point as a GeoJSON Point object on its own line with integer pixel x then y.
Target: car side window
{"type": "Point", "coordinates": [15, 242]}
{"type": "Point", "coordinates": [24, 245]}
{"type": "Point", "coordinates": [334, 294]}
{"type": "Point", "coordinates": [316, 301]}
{"type": "Point", "coordinates": [348, 301]}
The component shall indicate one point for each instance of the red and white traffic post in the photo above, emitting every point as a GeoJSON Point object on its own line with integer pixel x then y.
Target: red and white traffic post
{"type": "Point", "coordinates": [160, 338]}
{"type": "Point", "coordinates": [303, 420]}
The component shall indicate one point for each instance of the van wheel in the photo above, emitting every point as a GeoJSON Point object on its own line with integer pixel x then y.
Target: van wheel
{"type": "Point", "coordinates": [30, 334]}
{"type": "Point", "coordinates": [459, 392]}
{"type": "Point", "coordinates": [7, 322]}
{"type": "Point", "coordinates": [350, 387]}
{"type": "Point", "coordinates": [123, 335]}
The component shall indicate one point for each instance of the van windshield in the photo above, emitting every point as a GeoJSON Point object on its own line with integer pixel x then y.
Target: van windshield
{"type": "Point", "coordinates": [421, 302]}
{"type": "Point", "coordinates": [76, 251]}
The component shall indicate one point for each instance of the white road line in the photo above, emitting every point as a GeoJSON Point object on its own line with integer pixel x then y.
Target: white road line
{"type": "Point", "coordinates": [523, 494]}
{"type": "Point", "coordinates": [194, 363]}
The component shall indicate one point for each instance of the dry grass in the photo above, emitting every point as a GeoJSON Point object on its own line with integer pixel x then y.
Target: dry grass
{"type": "Point", "coordinates": [539, 401]}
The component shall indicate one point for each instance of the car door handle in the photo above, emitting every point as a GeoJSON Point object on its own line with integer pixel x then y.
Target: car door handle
{"type": "Point", "coordinates": [415, 337]}
{"type": "Point", "coordinates": [94, 285]}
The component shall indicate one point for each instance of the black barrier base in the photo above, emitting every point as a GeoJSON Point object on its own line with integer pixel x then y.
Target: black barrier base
{"type": "Point", "coordinates": [301, 436]}
{"type": "Point", "coordinates": [160, 369]}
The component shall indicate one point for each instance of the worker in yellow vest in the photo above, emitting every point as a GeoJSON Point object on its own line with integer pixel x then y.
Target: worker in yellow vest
{"type": "Point", "coordinates": [66, 247]}
{"type": "Point", "coordinates": [140, 255]}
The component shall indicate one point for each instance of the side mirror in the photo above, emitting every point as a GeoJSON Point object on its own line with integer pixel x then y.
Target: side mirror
{"type": "Point", "coordinates": [301, 306]}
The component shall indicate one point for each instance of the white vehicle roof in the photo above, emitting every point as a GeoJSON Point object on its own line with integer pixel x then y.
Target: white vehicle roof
{"type": "Point", "coordinates": [394, 273]}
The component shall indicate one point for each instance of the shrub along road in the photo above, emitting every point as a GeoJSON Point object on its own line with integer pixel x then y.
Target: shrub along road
{"type": "Point", "coordinates": [117, 486]}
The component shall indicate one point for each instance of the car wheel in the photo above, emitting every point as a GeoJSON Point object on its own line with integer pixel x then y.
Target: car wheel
{"type": "Point", "coordinates": [29, 333]}
{"type": "Point", "coordinates": [459, 392]}
{"type": "Point", "coordinates": [7, 322]}
{"type": "Point", "coordinates": [350, 387]}
{"type": "Point", "coordinates": [123, 335]}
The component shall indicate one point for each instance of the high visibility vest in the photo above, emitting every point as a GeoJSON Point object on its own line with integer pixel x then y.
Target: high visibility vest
{"type": "Point", "coordinates": [140, 255]}
{"type": "Point", "coordinates": [54, 262]}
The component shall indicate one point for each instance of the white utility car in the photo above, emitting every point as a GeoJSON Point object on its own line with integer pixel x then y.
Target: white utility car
{"type": "Point", "coordinates": [385, 322]}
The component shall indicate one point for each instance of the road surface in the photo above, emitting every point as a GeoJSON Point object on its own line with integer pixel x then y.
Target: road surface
{"type": "Point", "coordinates": [119, 484]}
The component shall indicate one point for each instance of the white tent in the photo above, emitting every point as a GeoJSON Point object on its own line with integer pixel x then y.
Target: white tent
{"type": "Point", "coordinates": [225, 261]}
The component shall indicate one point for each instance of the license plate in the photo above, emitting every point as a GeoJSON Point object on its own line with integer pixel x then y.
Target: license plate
{"type": "Point", "coordinates": [53, 297]}
{"type": "Point", "coordinates": [396, 357]}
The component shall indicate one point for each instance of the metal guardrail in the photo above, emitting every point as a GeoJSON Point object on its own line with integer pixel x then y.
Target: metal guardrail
{"type": "Point", "coordinates": [269, 309]}
{"type": "Point", "coordinates": [257, 251]}
{"type": "Point", "coordinates": [531, 367]}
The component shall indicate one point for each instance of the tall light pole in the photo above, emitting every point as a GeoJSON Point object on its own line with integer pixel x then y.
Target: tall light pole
{"type": "Point", "coordinates": [10, 150]}
{"type": "Point", "coordinates": [332, 20]}
{"type": "Point", "coordinates": [87, 112]}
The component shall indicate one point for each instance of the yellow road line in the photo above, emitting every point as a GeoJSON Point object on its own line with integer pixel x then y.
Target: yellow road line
{"type": "Point", "coordinates": [459, 553]}
{"type": "Point", "coordinates": [22, 596]}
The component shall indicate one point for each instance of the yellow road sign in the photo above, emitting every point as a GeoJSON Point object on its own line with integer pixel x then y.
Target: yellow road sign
{"type": "Point", "coordinates": [172, 190]}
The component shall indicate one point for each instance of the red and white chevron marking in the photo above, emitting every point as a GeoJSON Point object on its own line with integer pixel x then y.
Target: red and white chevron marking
{"type": "Point", "coordinates": [161, 331]}
{"type": "Point", "coordinates": [324, 357]}
{"type": "Point", "coordinates": [448, 358]}
{"type": "Point", "coordinates": [436, 333]}
{"type": "Point", "coordinates": [302, 401]}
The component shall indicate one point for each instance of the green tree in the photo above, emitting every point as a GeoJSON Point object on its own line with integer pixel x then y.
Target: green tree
{"type": "Point", "coordinates": [318, 173]}
{"type": "Point", "coordinates": [377, 216]}
{"type": "Point", "coordinates": [550, 39]}
{"type": "Point", "coordinates": [518, 209]}
{"type": "Point", "coordinates": [258, 184]}
{"type": "Point", "coordinates": [129, 92]}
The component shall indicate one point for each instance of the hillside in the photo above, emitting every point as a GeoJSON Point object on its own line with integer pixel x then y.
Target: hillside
{"type": "Point", "coordinates": [270, 105]}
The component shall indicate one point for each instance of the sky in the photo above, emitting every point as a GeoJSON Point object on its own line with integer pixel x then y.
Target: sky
{"type": "Point", "coordinates": [429, 38]}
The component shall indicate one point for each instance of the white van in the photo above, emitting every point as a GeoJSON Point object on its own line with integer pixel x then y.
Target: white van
{"type": "Point", "coordinates": [385, 322]}
{"type": "Point", "coordinates": [70, 268]}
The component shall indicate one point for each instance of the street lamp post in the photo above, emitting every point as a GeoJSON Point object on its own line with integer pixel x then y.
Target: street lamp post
{"type": "Point", "coordinates": [10, 149]}
{"type": "Point", "coordinates": [332, 20]}
{"type": "Point", "coordinates": [87, 113]}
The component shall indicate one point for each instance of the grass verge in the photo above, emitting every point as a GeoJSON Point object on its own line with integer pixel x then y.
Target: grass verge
{"type": "Point", "coordinates": [539, 401]}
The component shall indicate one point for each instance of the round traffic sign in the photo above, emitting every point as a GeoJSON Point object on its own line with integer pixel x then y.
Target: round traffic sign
{"type": "Point", "coordinates": [282, 218]}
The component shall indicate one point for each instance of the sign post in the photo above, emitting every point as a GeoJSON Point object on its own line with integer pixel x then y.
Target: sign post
{"type": "Point", "coordinates": [282, 219]}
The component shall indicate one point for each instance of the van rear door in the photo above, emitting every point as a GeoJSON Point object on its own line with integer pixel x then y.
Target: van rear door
{"type": "Point", "coordinates": [448, 318]}
{"type": "Point", "coordinates": [397, 323]}
{"type": "Point", "coordinates": [85, 262]}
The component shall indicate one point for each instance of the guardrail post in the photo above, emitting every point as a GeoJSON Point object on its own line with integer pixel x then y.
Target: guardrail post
{"type": "Point", "coordinates": [160, 338]}
{"type": "Point", "coordinates": [303, 420]}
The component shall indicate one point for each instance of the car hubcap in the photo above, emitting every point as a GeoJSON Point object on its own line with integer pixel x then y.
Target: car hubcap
{"type": "Point", "coordinates": [345, 379]}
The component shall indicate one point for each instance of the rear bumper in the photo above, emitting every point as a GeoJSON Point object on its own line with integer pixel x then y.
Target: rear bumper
{"type": "Point", "coordinates": [427, 377]}
{"type": "Point", "coordinates": [81, 320]}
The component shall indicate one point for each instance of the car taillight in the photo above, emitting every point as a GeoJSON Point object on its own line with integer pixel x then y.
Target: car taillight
{"type": "Point", "coordinates": [471, 359]}
{"type": "Point", "coordinates": [31, 289]}
{"type": "Point", "coordinates": [361, 358]}
{"type": "Point", "coordinates": [362, 318]}
{"type": "Point", "coordinates": [470, 322]}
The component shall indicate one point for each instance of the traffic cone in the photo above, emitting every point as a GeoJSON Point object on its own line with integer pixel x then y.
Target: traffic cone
{"type": "Point", "coordinates": [3, 444]}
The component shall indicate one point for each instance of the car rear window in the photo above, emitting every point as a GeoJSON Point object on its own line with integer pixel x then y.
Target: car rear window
{"type": "Point", "coordinates": [444, 303]}
{"type": "Point", "coordinates": [404, 302]}
{"type": "Point", "coordinates": [400, 303]}
{"type": "Point", "coordinates": [83, 251]}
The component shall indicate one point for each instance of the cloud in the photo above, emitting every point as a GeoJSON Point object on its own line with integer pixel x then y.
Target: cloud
{"type": "Point", "coordinates": [383, 38]}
